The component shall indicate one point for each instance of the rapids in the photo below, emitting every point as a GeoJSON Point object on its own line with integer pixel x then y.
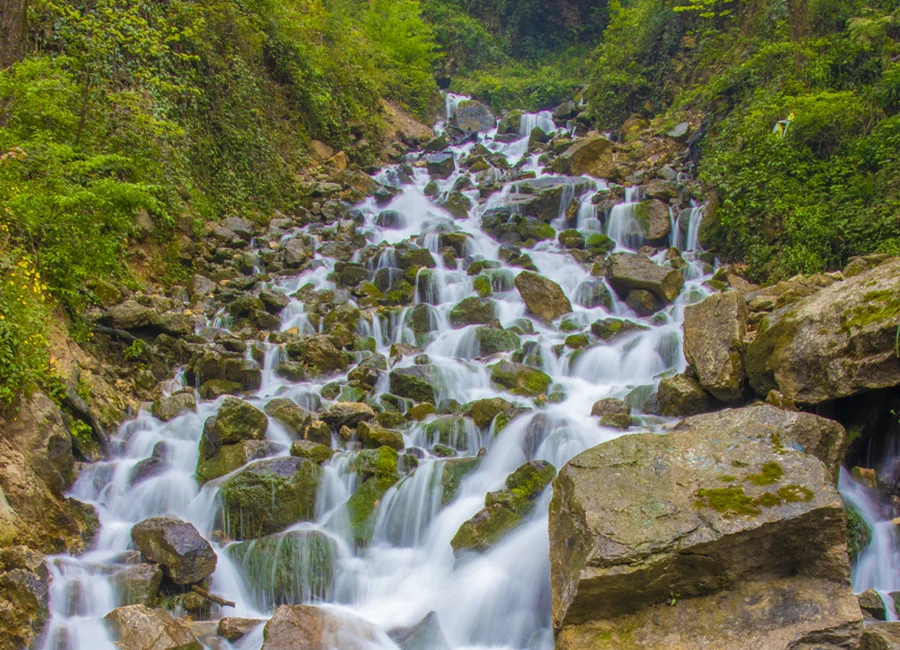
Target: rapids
{"type": "Point", "coordinates": [499, 600]}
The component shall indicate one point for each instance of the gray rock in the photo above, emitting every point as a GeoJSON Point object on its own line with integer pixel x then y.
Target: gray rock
{"type": "Point", "coordinates": [544, 298]}
{"type": "Point", "coordinates": [169, 408]}
{"type": "Point", "coordinates": [235, 421]}
{"type": "Point", "coordinates": [473, 116]}
{"type": "Point", "coordinates": [714, 331]}
{"type": "Point", "coordinates": [137, 585]}
{"type": "Point", "coordinates": [185, 557]}
{"type": "Point", "coordinates": [138, 627]}
{"type": "Point", "coordinates": [628, 272]}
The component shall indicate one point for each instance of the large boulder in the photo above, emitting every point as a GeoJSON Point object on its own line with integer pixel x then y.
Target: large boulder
{"type": "Point", "coordinates": [473, 116]}
{"type": "Point", "coordinates": [304, 627]}
{"type": "Point", "coordinates": [137, 585]}
{"type": "Point", "coordinates": [137, 627]}
{"type": "Point", "coordinates": [170, 407]}
{"type": "Point", "coordinates": [292, 567]}
{"type": "Point", "coordinates": [683, 395]}
{"type": "Point", "coordinates": [473, 311]}
{"type": "Point", "coordinates": [714, 331]}
{"type": "Point", "coordinates": [837, 342]}
{"type": "Point", "coordinates": [519, 379]}
{"type": "Point", "coordinates": [231, 457]}
{"type": "Point", "coordinates": [544, 298]}
{"type": "Point", "coordinates": [185, 557]}
{"type": "Point", "coordinates": [373, 436]}
{"type": "Point", "coordinates": [235, 421]}
{"type": "Point", "coordinates": [654, 220]}
{"type": "Point", "coordinates": [592, 156]}
{"type": "Point", "coordinates": [492, 340]}
{"type": "Point", "coordinates": [713, 519]}
{"type": "Point", "coordinates": [289, 414]}
{"type": "Point", "coordinates": [25, 592]}
{"type": "Point", "coordinates": [269, 495]}
{"type": "Point", "coordinates": [319, 354]}
{"type": "Point", "coordinates": [484, 411]}
{"type": "Point", "coordinates": [881, 636]}
{"type": "Point", "coordinates": [628, 272]}
{"type": "Point", "coordinates": [415, 382]}
{"type": "Point", "coordinates": [347, 414]}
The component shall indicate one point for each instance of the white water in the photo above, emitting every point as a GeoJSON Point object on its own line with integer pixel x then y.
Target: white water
{"type": "Point", "coordinates": [496, 601]}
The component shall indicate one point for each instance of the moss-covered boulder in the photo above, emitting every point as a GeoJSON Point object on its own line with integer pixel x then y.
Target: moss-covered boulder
{"type": "Point", "coordinates": [457, 204]}
{"type": "Point", "coordinates": [492, 340]}
{"type": "Point", "coordinates": [712, 516]}
{"type": "Point", "coordinates": [714, 331]}
{"type": "Point", "coordinates": [440, 165]}
{"type": "Point", "coordinates": [269, 495]}
{"type": "Point", "coordinates": [837, 342]}
{"type": "Point", "coordinates": [292, 567]}
{"type": "Point", "coordinates": [293, 417]}
{"type": "Point", "coordinates": [449, 430]}
{"type": "Point", "coordinates": [369, 370]}
{"type": "Point", "coordinates": [593, 293]}
{"type": "Point", "coordinates": [531, 228]}
{"type": "Point", "coordinates": [454, 471]}
{"type": "Point", "coordinates": [415, 382]}
{"type": "Point", "coordinates": [654, 220]}
{"type": "Point", "coordinates": [519, 379]}
{"type": "Point", "coordinates": [571, 239]}
{"type": "Point", "coordinates": [185, 557]}
{"type": "Point", "coordinates": [473, 116]}
{"type": "Point", "coordinates": [375, 462]}
{"type": "Point", "coordinates": [544, 298]}
{"type": "Point", "coordinates": [859, 534]}
{"type": "Point", "coordinates": [235, 421]}
{"type": "Point", "coordinates": [347, 414]}
{"type": "Point", "coordinates": [363, 505]}
{"type": "Point", "coordinates": [231, 457]}
{"type": "Point", "coordinates": [627, 272]}
{"type": "Point", "coordinates": [373, 436]}
{"type": "Point", "coordinates": [609, 329]}
{"type": "Point", "coordinates": [473, 311]}
{"type": "Point", "coordinates": [592, 156]}
{"type": "Point", "coordinates": [169, 408]}
{"type": "Point", "coordinates": [319, 355]}
{"type": "Point", "coordinates": [484, 411]}
{"type": "Point", "coordinates": [612, 412]}
{"type": "Point", "coordinates": [137, 585]}
{"type": "Point", "coordinates": [683, 395]}
{"type": "Point", "coordinates": [314, 451]}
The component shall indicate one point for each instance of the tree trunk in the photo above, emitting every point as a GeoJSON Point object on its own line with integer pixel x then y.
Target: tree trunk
{"type": "Point", "coordinates": [799, 18]}
{"type": "Point", "coordinates": [13, 31]}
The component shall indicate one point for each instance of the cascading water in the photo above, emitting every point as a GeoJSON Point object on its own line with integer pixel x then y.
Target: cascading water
{"type": "Point", "coordinates": [496, 600]}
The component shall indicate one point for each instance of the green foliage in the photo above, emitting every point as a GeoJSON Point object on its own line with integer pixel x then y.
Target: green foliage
{"type": "Point", "coordinates": [134, 351]}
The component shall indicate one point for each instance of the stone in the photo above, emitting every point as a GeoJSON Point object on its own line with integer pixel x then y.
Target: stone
{"type": "Point", "coordinates": [519, 379]}
{"type": "Point", "coordinates": [610, 329]}
{"type": "Point", "coordinates": [643, 302]}
{"type": "Point", "coordinates": [881, 636]}
{"type": "Point", "coordinates": [837, 342]}
{"type": "Point", "coordinates": [374, 436]}
{"type": "Point", "coordinates": [473, 116]}
{"type": "Point", "coordinates": [289, 414]}
{"type": "Point", "coordinates": [228, 458]}
{"type": "Point", "coordinates": [872, 605]}
{"type": "Point", "coordinates": [370, 370]}
{"type": "Point", "coordinates": [440, 165]}
{"type": "Point", "coordinates": [415, 382]}
{"type": "Point", "coordinates": [347, 414]}
{"type": "Point", "coordinates": [320, 151]}
{"type": "Point", "coordinates": [817, 436]}
{"type": "Point", "coordinates": [424, 635]}
{"type": "Point", "coordinates": [473, 311]}
{"type": "Point", "coordinates": [137, 627]}
{"type": "Point", "coordinates": [714, 331]}
{"type": "Point", "coordinates": [628, 271]}
{"type": "Point", "coordinates": [593, 293]}
{"type": "Point", "coordinates": [305, 627]}
{"type": "Point", "coordinates": [269, 495]}
{"type": "Point", "coordinates": [457, 204]}
{"type": "Point", "coordinates": [156, 465]}
{"type": "Point", "coordinates": [185, 557]}
{"type": "Point", "coordinates": [680, 132]}
{"type": "Point", "coordinates": [319, 354]}
{"type": "Point", "coordinates": [233, 628]}
{"type": "Point", "coordinates": [455, 470]}
{"type": "Point", "coordinates": [316, 452]}
{"type": "Point", "coordinates": [654, 219]}
{"type": "Point", "coordinates": [484, 411]}
{"type": "Point", "coordinates": [492, 340]}
{"type": "Point", "coordinates": [362, 505]}
{"type": "Point", "coordinates": [683, 395]}
{"type": "Point", "coordinates": [714, 517]}
{"type": "Point", "coordinates": [235, 421]}
{"type": "Point", "coordinates": [274, 301]}
{"type": "Point", "coordinates": [170, 407]}
{"type": "Point", "coordinates": [571, 239]}
{"type": "Point", "coordinates": [24, 597]}
{"type": "Point", "coordinates": [319, 432]}
{"type": "Point", "coordinates": [137, 585]}
{"type": "Point", "coordinates": [290, 567]}
{"type": "Point", "coordinates": [544, 298]}
{"type": "Point", "coordinates": [612, 412]}
{"type": "Point", "coordinates": [592, 156]}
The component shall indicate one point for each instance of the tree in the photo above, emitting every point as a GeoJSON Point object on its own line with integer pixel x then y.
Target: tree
{"type": "Point", "coordinates": [13, 31]}
{"type": "Point", "coordinates": [798, 11]}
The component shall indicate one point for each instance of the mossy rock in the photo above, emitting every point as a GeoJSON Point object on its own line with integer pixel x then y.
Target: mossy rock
{"type": "Point", "coordinates": [231, 457]}
{"type": "Point", "coordinates": [362, 506]}
{"type": "Point", "coordinates": [485, 529]}
{"type": "Point", "coordinates": [523, 487]}
{"type": "Point", "coordinates": [375, 462]}
{"type": "Point", "coordinates": [473, 311]}
{"type": "Point", "coordinates": [452, 475]}
{"type": "Point", "coordinates": [289, 414]}
{"type": "Point", "coordinates": [419, 412]}
{"type": "Point", "coordinates": [415, 382]}
{"type": "Point", "coordinates": [374, 436]}
{"type": "Point", "coordinates": [482, 286]}
{"type": "Point", "coordinates": [859, 535]}
{"type": "Point", "coordinates": [492, 340]}
{"type": "Point", "coordinates": [484, 411]}
{"type": "Point", "coordinates": [571, 239]}
{"type": "Point", "coordinates": [235, 421]}
{"type": "Point", "coordinates": [449, 430]}
{"type": "Point", "coordinates": [519, 379]}
{"type": "Point", "coordinates": [599, 243]}
{"type": "Point", "coordinates": [314, 451]}
{"type": "Point", "coordinates": [609, 329]}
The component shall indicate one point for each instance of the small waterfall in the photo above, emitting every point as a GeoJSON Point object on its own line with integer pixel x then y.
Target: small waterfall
{"type": "Point", "coordinates": [623, 227]}
{"type": "Point", "coordinates": [542, 120]}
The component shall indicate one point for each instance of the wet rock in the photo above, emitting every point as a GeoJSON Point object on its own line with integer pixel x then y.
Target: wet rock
{"type": "Point", "coordinates": [881, 636]}
{"type": "Point", "coordinates": [211, 364]}
{"type": "Point", "coordinates": [185, 557]}
{"type": "Point", "coordinates": [654, 219]}
{"type": "Point", "coordinates": [374, 436]}
{"type": "Point", "coordinates": [593, 293]}
{"type": "Point", "coordinates": [289, 567]}
{"type": "Point", "coordinates": [362, 506]}
{"type": "Point", "coordinates": [519, 379]}
{"type": "Point", "coordinates": [714, 331]}
{"type": "Point", "coordinates": [232, 628]}
{"type": "Point", "coordinates": [683, 395]}
{"type": "Point", "coordinates": [713, 517]}
{"type": "Point", "coordinates": [304, 627]}
{"type": "Point", "coordinates": [473, 311]}
{"type": "Point", "coordinates": [837, 342]}
{"type": "Point", "coordinates": [24, 597]}
{"type": "Point", "coordinates": [592, 156]}
{"type": "Point", "coordinates": [137, 627]}
{"type": "Point", "coordinates": [454, 472]}
{"type": "Point", "coordinates": [440, 165]}
{"type": "Point", "coordinates": [610, 329]}
{"type": "Point", "coordinates": [643, 302]}
{"type": "Point", "coordinates": [473, 116]}
{"type": "Point", "coordinates": [269, 495]}
{"type": "Point", "coordinates": [612, 413]}
{"type": "Point", "coordinates": [628, 272]}
{"type": "Point", "coordinates": [235, 421]}
{"type": "Point", "coordinates": [149, 467]}
{"type": "Point", "coordinates": [571, 239]}
{"type": "Point", "coordinates": [319, 354]}
{"type": "Point", "coordinates": [289, 414]}
{"type": "Point", "coordinates": [484, 411]}
{"type": "Point", "coordinates": [231, 457]}
{"type": "Point", "coordinates": [457, 204]}
{"type": "Point", "coordinates": [415, 382]}
{"type": "Point", "coordinates": [530, 228]}
{"type": "Point", "coordinates": [137, 585]}
{"type": "Point", "coordinates": [347, 414]}
{"type": "Point", "coordinates": [505, 509]}
{"type": "Point", "coordinates": [319, 432]}
{"type": "Point", "coordinates": [424, 635]}
{"type": "Point", "coordinates": [543, 297]}
{"type": "Point", "coordinates": [316, 452]}
{"type": "Point", "coordinates": [390, 220]}
{"type": "Point", "coordinates": [169, 408]}
{"type": "Point", "coordinates": [872, 606]}
{"type": "Point", "coordinates": [273, 301]}
{"type": "Point", "coordinates": [492, 340]}
{"type": "Point", "coordinates": [296, 253]}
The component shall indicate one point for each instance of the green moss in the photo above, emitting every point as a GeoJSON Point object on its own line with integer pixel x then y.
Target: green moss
{"type": "Point", "coordinates": [795, 493]}
{"type": "Point", "coordinates": [771, 473]}
{"type": "Point", "coordinates": [363, 505]}
{"type": "Point", "coordinates": [767, 500]}
{"type": "Point", "coordinates": [881, 306]}
{"type": "Point", "coordinates": [727, 478]}
{"type": "Point", "coordinates": [859, 535]}
{"type": "Point", "coordinates": [482, 286]}
{"type": "Point", "coordinates": [730, 501]}
{"type": "Point", "coordinates": [777, 442]}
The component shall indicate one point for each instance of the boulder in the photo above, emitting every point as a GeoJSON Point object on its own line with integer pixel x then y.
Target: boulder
{"type": "Point", "coordinates": [440, 165]}
{"type": "Point", "coordinates": [374, 436]}
{"type": "Point", "coordinates": [544, 298]}
{"type": "Point", "coordinates": [170, 407]}
{"type": "Point", "coordinates": [156, 465]}
{"type": "Point", "coordinates": [473, 311]}
{"type": "Point", "coordinates": [363, 504]}
{"type": "Point", "coordinates": [25, 594]}
{"type": "Point", "coordinates": [315, 451]}
{"type": "Point", "coordinates": [304, 627]}
{"type": "Point", "coordinates": [185, 557]}
{"type": "Point", "coordinates": [289, 414]}
{"type": "Point", "coordinates": [296, 253]}
{"type": "Point", "coordinates": [232, 628]}
{"type": "Point", "coordinates": [628, 271]}
{"type": "Point", "coordinates": [137, 627]}
{"type": "Point", "coordinates": [643, 302]}
{"type": "Point", "coordinates": [455, 470]}
{"type": "Point", "coordinates": [228, 458]}
{"type": "Point", "coordinates": [592, 156]}
{"type": "Point", "coordinates": [319, 354]}
{"type": "Point", "coordinates": [137, 585]}
{"type": "Point", "coordinates": [519, 379]}
{"type": "Point", "coordinates": [872, 606]}
{"type": "Point", "coordinates": [612, 412]}
{"type": "Point", "coordinates": [716, 518]}
{"type": "Point", "coordinates": [347, 414]}
{"type": "Point", "coordinates": [415, 382]}
{"type": "Point", "coordinates": [484, 411]}
{"type": "Point", "coordinates": [714, 331]}
{"type": "Point", "coordinates": [292, 567]}
{"type": "Point", "coordinates": [235, 421]}
{"type": "Point", "coordinates": [473, 116]}
{"type": "Point", "coordinates": [210, 364]}
{"type": "Point", "coordinates": [269, 495]}
{"type": "Point", "coordinates": [837, 342]}
{"type": "Point", "coordinates": [881, 636]}
{"type": "Point", "coordinates": [370, 370]}
{"type": "Point", "coordinates": [610, 329]}
{"type": "Point", "coordinates": [654, 219]}
{"type": "Point", "coordinates": [683, 395]}
{"type": "Point", "coordinates": [492, 340]}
